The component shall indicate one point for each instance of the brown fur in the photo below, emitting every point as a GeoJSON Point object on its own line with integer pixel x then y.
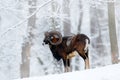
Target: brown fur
{"type": "Point", "coordinates": [66, 52]}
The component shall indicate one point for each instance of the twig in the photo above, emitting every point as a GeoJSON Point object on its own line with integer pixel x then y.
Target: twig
{"type": "Point", "coordinates": [18, 24]}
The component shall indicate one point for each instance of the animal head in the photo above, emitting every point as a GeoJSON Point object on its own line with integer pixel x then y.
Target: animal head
{"type": "Point", "coordinates": [52, 37]}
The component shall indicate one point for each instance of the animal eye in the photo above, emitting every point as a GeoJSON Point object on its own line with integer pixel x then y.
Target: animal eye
{"type": "Point", "coordinates": [51, 37]}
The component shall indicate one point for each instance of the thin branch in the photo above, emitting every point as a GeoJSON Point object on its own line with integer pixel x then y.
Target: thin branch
{"type": "Point", "coordinates": [18, 24]}
{"type": "Point", "coordinates": [14, 9]}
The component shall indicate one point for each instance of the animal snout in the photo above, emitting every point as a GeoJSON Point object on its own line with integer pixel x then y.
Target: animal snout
{"type": "Point", "coordinates": [45, 42]}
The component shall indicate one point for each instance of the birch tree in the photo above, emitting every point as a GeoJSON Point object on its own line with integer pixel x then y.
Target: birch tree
{"type": "Point", "coordinates": [53, 6]}
{"type": "Point", "coordinates": [112, 32]}
{"type": "Point", "coordinates": [81, 15]}
{"type": "Point", "coordinates": [98, 17]}
{"type": "Point", "coordinates": [66, 23]}
{"type": "Point", "coordinates": [25, 66]}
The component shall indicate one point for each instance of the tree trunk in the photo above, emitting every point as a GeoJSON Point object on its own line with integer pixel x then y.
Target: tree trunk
{"type": "Point", "coordinates": [66, 23]}
{"type": "Point", "coordinates": [81, 16]}
{"type": "Point", "coordinates": [97, 18]}
{"type": "Point", "coordinates": [112, 33]}
{"type": "Point", "coordinates": [25, 66]}
{"type": "Point", "coordinates": [53, 23]}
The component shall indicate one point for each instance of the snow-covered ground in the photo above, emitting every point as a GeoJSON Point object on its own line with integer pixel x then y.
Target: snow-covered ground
{"type": "Point", "coordinates": [111, 72]}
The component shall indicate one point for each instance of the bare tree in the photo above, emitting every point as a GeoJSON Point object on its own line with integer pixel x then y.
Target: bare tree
{"type": "Point", "coordinates": [66, 23]}
{"type": "Point", "coordinates": [25, 66]}
{"type": "Point", "coordinates": [53, 6]}
{"type": "Point", "coordinates": [81, 15]}
{"type": "Point", "coordinates": [97, 18]}
{"type": "Point", "coordinates": [55, 10]}
{"type": "Point", "coordinates": [112, 32]}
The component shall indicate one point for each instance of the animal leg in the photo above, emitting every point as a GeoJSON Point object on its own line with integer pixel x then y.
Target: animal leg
{"type": "Point", "coordinates": [69, 69]}
{"type": "Point", "coordinates": [87, 65]}
{"type": "Point", "coordinates": [86, 58]}
{"type": "Point", "coordinates": [66, 65]}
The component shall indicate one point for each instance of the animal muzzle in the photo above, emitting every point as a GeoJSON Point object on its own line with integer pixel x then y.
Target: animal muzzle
{"type": "Point", "coordinates": [45, 42]}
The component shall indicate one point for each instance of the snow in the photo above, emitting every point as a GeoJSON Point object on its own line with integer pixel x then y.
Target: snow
{"type": "Point", "coordinates": [111, 72]}
{"type": "Point", "coordinates": [13, 30]}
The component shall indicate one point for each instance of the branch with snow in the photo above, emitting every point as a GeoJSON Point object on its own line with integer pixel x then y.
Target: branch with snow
{"type": "Point", "coordinates": [19, 23]}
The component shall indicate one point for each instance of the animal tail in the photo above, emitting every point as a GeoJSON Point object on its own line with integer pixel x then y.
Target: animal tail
{"type": "Point", "coordinates": [86, 44]}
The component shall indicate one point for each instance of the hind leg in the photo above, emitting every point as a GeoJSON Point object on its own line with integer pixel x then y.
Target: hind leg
{"type": "Point", "coordinates": [84, 55]}
{"type": "Point", "coordinates": [86, 59]}
{"type": "Point", "coordinates": [87, 64]}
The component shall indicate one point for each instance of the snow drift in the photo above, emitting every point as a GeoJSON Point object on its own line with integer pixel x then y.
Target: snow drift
{"type": "Point", "coordinates": [111, 72]}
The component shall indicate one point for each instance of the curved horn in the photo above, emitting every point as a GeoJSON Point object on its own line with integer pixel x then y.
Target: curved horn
{"type": "Point", "coordinates": [56, 37]}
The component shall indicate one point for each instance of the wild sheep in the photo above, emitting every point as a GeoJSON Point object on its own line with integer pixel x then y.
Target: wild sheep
{"type": "Point", "coordinates": [66, 47]}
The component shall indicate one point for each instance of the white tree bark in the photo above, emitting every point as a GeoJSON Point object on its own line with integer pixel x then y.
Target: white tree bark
{"type": "Point", "coordinates": [112, 33]}
{"type": "Point", "coordinates": [26, 48]}
{"type": "Point", "coordinates": [67, 22]}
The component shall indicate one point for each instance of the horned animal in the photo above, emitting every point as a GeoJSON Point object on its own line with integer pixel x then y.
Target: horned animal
{"type": "Point", "coordinates": [67, 47]}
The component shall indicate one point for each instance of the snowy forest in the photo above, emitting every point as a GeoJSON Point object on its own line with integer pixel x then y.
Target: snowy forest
{"type": "Point", "coordinates": [22, 27]}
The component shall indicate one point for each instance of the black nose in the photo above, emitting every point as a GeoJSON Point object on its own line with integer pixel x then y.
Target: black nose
{"type": "Point", "coordinates": [45, 42]}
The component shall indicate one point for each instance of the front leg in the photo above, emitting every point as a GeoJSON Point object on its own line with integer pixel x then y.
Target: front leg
{"type": "Point", "coordinates": [66, 65]}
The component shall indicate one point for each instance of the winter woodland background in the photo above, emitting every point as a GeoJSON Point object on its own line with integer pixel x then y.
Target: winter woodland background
{"type": "Point", "coordinates": [22, 27]}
